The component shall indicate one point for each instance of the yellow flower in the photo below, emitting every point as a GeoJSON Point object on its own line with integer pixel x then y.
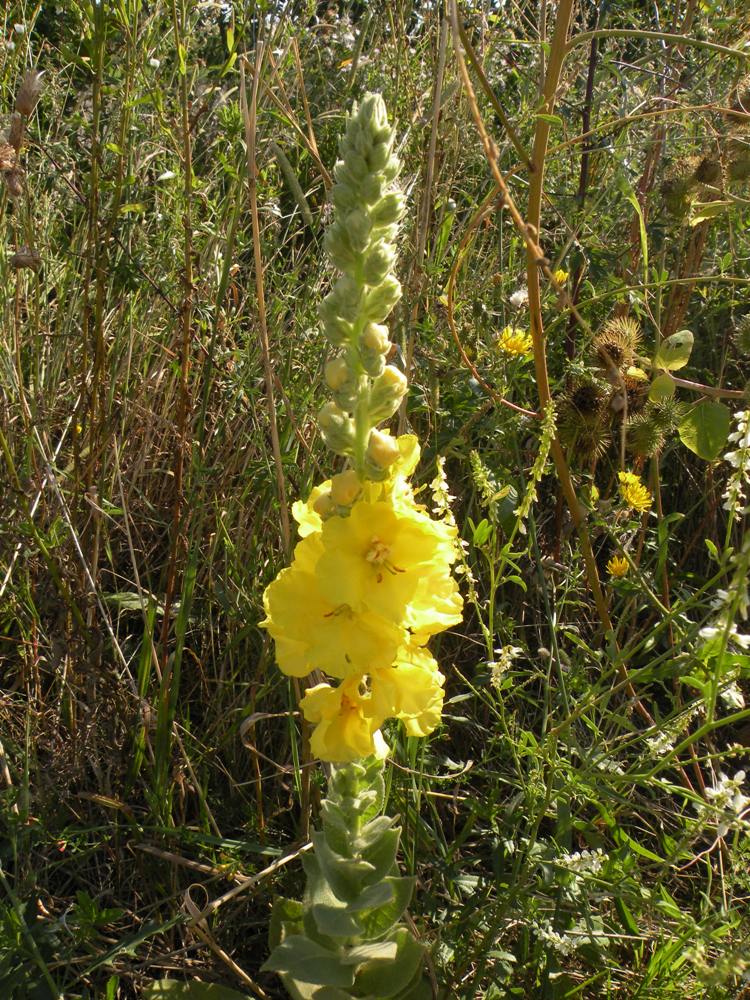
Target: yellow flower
{"type": "Point", "coordinates": [343, 731]}
{"type": "Point", "coordinates": [634, 493]}
{"type": "Point", "coordinates": [515, 341]}
{"type": "Point", "coordinates": [560, 276]}
{"type": "Point", "coordinates": [410, 690]}
{"type": "Point", "coordinates": [618, 567]}
{"type": "Point", "coordinates": [312, 632]}
{"type": "Point", "coordinates": [386, 559]}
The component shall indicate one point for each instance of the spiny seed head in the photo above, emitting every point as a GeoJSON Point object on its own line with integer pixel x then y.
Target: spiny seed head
{"type": "Point", "coordinates": [666, 413]}
{"type": "Point", "coordinates": [645, 438]}
{"type": "Point", "coordinates": [29, 92]}
{"type": "Point", "coordinates": [739, 102]}
{"type": "Point", "coordinates": [637, 392]}
{"type": "Point", "coordinates": [708, 170]}
{"type": "Point", "coordinates": [617, 342]}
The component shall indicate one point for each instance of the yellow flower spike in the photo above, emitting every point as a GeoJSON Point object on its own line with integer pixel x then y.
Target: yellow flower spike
{"type": "Point", "coordinates": [343, 732]}
{"type": "Point", "coordinates": [514, 341]}
{"type": "Point", "coordinates": [618, 567]}
{"type": "Point", "coordinates": [634, 493]}
{"type": "Point", "coordinates": [385, 559]}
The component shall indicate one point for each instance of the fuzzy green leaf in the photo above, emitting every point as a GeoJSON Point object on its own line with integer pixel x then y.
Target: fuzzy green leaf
{"type": "Point", "coordinates": [389, 980]}
{"type": "Point", "coordinates": [380, 920]}
{"type": "Point", "coordinates": [380, 951]}
{"type": "Point", "coordinates": [308, 962]}
{"type": "Point", "coordinates": [286, 918]}
{"type": "Point", "coordinates": [345, 876]}
{"type": "Point", "coordinates": [335, 921]}
{"type": "Point", "coordinates": [382, 856]}
{"type": "Point", "coordinates": [674, 352]}
{"type": "Point", "coordinates": [705, 429]}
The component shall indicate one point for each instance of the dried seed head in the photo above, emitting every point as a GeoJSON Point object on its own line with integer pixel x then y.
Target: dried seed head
{"type": "Point", "coordinates": [7, 157]}
{"type": "Point", "coordinates": [29, 92]}
{"type": "Point", "coordinates": [14, 182]}
{"type": "Point", "coordinates": [26, 258]}
{"type": "Point", "coordinates": [617, 342]}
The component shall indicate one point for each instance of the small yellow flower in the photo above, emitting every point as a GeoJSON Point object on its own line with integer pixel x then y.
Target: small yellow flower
{"type": "Point", "coordinates": [513, 340]}
{"type": "Point", "coordinates": [618, 567]}
{"type": "Point", "coordinates": [560, 276]}
{"type": "Point", "coordinates": [634, 493]}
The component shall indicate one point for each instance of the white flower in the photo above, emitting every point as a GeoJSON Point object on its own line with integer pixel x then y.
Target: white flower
{"type": "Point", "coordinates": [20, 29]}
{"type": "Point", "coordinates": [154, 63]}
{"type": "Point", "coordinates": [519, 298]}
{"type": "Point", "coordinates": [10, 46]}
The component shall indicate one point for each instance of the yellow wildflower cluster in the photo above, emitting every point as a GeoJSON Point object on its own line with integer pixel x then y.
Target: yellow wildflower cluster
{"type": "Point", "coordinates": [513, 340]}
{"type": "Point", "coordinates": [560, 276]}
{"type": "Point", "coordinates": [369, 585]}
{"type": "Point", "coordinates": [634, 493]}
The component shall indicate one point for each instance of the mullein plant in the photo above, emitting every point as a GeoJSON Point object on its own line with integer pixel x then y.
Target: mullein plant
{"type": "Point", "coordinates": [369, 584]}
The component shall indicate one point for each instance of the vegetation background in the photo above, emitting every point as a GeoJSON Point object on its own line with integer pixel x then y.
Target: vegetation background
{"type": "Point", "coordinates": [576, 826]}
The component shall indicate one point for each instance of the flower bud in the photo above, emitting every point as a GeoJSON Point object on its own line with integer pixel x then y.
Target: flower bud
{"type": "Point", "coordinates": [346, 296]}
{"type": "Point", "coordinates": [371, 190]}
{"type": "Point", "coordinates": [379, 155]}
{"type": "Point", "coordinates": [358, 228]}
{"type": "Point", "coordinates": [337, 428]}
{"type": "Point", "coordinates": [378, 263]}
{"type": "Point", "coordinates": [324, 506]}
{"type": "Point", "coordinates": [382, 449]}
{"type": "Point", "coordinates": [345, 488]}
{"type": "Point", "coordinates": [373, 362]}
{"type": "Point", "coordinates": [336, 328]}
{"type": "Point", "coordinates": [338, 247]}
{"type": "Point", "coordinates": [337, 373]}
{"type": "Point", "coordinates": [380, 300]}
{"type": "Point", "coordinates": [388, 210]}
{"type": "Point", "coordinates": [387, 392]}
{"type": "Point", "coordinates": [375, 338]}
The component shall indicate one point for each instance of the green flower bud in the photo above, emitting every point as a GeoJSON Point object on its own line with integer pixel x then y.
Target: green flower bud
{"type": "Point", "coordinates": [347, 295]}
{"type": "Point", "coordinates": [379, 155]}
{"type": "Point", "coordinates": [337, 428]}
{"type": "Point", "coordinates": [373, 362]}
{"type": "Point", "coordinates": [337, 373]}
{"type": "Point", "coordinates": [375, 338]}
{"type": "Point", "coordinates": [388, 210]}
{"type": "Point", "coordinates": [358, 228]}
{"type": "Point", "coordinates": [379, 301]}
{"type": "Point", "coordinates": [387, 392]}
{"type": "Point", "coordinates": [378, 262]}
{"type": "Point", "coordinates": [338, 247]}
{"type": "Point", "coordinates": [382, 449]}
{"type": "Point", "coordinates": [336, 328]}
{"type": "Point", "coordinates": [345, 488]}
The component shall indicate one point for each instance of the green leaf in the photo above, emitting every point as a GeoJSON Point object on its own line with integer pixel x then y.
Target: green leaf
{"type": "Point", "coordinates": [702, 211]}
{"type": "Point", "coordinates": [389, 980]}
{"type": "Point", "coordinates": [308, 962]}
{"type": "Point", "coordinates": [382, 855]}
{"type": "Point", "coordinates": [286, 918]}
{"type": "Point", "coordinates": [705, 429]}
{"type": "Point", "coordinates": [174, 990]}
{"type": "Point", "coordinates": [674, 352]}
{"type": "Point", "coordinates": [380, 920]}
{"type": "Point", "coordinates": [335, 921]}
{"type": "Point", "coordinates": [380, 951]}
{"type": "Point", "coordinates": [344, 875]}
{"type": "Point", "coordinates": [662, 387]}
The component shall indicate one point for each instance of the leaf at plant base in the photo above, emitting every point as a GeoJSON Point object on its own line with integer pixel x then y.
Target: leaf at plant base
{"type": "Point", "coordinates": [171, 989]}
{"type": "Point", "coordinates": [674, 352]}
{"type": "Point", "coordinates": [391, 979]}
{"type": "Point", "coordinates": [286, 918]}
{"type": "Point", "coordinates": [705, 429]}
{"type": "Point", "coordinates": [308, 962]}
{"type": "Point", "coordinates": [662, 387]}
{"type": "Point", "coordinates": [380, 951]}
